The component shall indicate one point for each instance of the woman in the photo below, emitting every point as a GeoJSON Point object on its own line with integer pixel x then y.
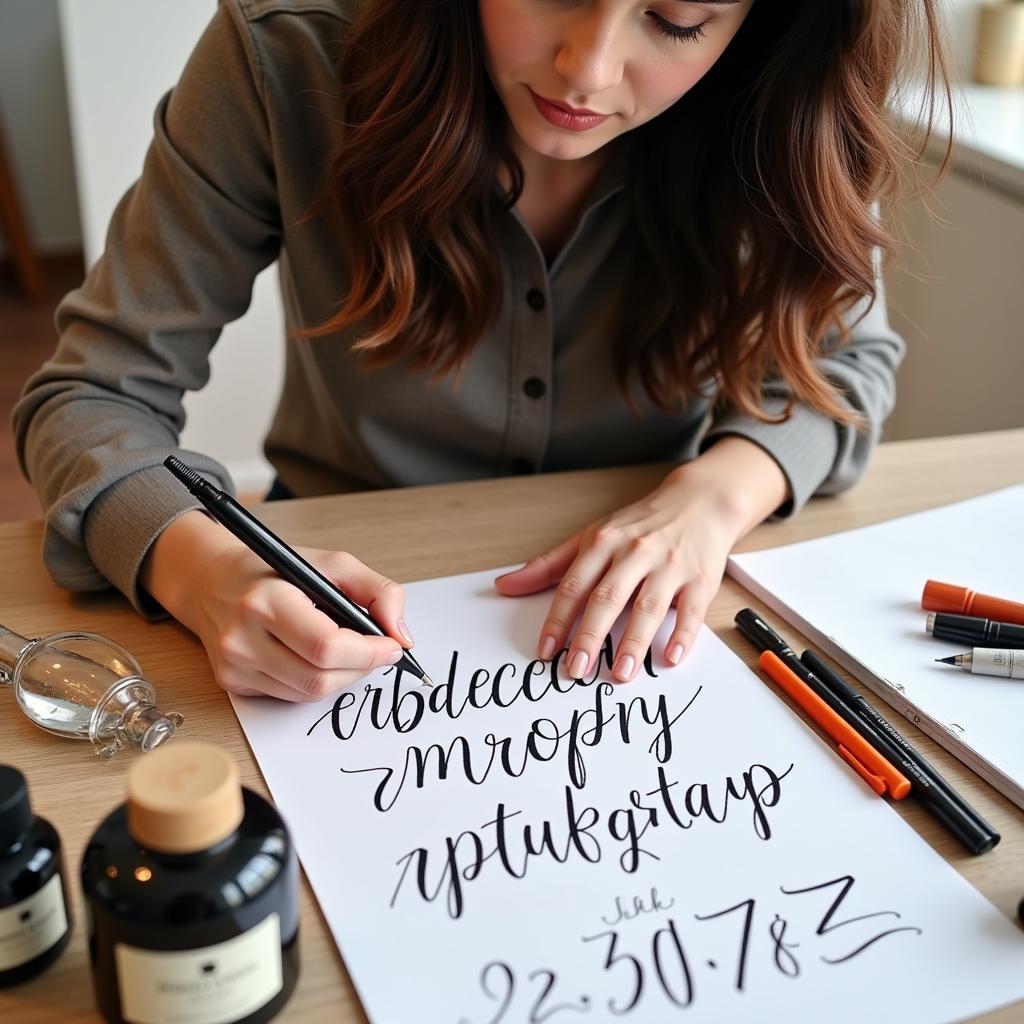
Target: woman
{"type": "Point", "coordinates": [515, 236]}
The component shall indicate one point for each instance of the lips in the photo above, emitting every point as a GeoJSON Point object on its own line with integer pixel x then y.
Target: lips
{"type": "Point", "coordinates": [571, 118]}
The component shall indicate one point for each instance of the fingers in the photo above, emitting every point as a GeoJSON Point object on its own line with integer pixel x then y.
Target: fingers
{"type": "Point", "coordinates": [383, 598]}
{"type": "Point", "coordinates": [288, 615]}
{"type": "Point", "coordinates": [611, 568]}
{"type": "Point", "coordinates": [541, 572]}
{"type": "Point", "coordinates": [580, 580]}
{"type": "Point", "coordinates": [281, 645]}
{"type": "Point", "coordinates": [607, 597]}
{"type": "Point", "coordinates": [650, 606]}
{"type": "Point", "coordinates": [691, 610]}
{"type": "Point", "coordinates": [652, 602]}
{"type": "Point", "coordinates": [259, 684]}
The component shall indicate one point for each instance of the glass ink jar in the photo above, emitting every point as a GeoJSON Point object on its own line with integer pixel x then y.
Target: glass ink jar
{"type": "Point", "coordinates": [191, 891]}
{"type": "Point", "coordinates": [84, 686]}
{"type": "Point", "coordinates": [35, 919]}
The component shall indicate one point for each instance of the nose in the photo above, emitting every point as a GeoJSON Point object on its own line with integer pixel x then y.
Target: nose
{"type": "Point", "coordinates": [589, 57]}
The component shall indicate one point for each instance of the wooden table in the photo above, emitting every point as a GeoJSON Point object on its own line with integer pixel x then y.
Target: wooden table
{"type": "Point", "coordinates": [437, 531]}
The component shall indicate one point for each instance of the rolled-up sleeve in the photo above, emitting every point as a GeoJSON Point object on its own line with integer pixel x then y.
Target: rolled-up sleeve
{"type": "Point", "coordinates": [183, 249]}
{"type": "Point", "coordinates": [818, 454]}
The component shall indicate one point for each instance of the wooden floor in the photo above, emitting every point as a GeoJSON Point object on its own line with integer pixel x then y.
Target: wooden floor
{"type": "Point", "coordinates": [27, 338]}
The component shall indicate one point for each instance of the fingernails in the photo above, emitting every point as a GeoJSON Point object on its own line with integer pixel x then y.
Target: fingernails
{"type": "Point", "coordinates": [675, 654]}
{"type": "Point", "coordinates": [578, 664]}
{"type": "Point", "coordinates": [394, 657]}
{"type": "Point", "coordinates": [547, 648]}
{"type": "Point", "coordinates": [624, 667]}
{"type": "Point", "coordinates": [511, 572]}
{"type": "Point", "coordinates": [404, 630]}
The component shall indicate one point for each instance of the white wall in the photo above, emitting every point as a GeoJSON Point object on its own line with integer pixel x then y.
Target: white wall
{"type": "Point", "coordinates": [34, 113]}
{"type": "Point", "coordinates": [121, 56]}
{"type": "Point", "coordinates": [957, 299]}
{"type": "Point", "coordinates": [961, 17]}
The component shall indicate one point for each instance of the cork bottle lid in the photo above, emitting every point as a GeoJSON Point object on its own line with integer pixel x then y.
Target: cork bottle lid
{"type": "Point", "coordinates": [183, 798]}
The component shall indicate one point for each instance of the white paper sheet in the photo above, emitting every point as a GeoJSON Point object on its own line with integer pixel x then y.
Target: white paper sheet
{"type": "Point", "coordinates": [701, 854]}
{"type": "Point", "coordinates": [858, 595]}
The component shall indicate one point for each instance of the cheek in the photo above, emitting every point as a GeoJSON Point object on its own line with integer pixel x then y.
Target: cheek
{"type": "Point", "coordinates": [658, 83]}
{"type": "Point", "coordinates": [512, 40]}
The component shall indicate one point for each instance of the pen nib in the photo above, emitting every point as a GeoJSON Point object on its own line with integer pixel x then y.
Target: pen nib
{"type": "Point", "coordinates": [948, 661]}
{"type": "Point", "coordinates": [427, 681]}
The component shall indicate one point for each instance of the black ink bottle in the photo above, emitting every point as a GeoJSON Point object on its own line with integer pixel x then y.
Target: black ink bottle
{"type": "Point", "coordinates": [34, 914]}
{"type": "Point", "coordinates": [191, 890]}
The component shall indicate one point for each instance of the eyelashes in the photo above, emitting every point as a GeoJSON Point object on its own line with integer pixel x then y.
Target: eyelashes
{"type": "Point", "coordinates": [680, 33]}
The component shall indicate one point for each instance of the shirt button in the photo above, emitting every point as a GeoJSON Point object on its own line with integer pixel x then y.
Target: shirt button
{"type": "Point", "coordinates": [522, 466]}
{"type": "Point", "coordinates": [535, 299]}
{"type": "Point", "coordinates": [534, 387]}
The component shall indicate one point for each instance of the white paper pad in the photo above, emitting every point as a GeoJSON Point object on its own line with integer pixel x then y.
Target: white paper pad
{"type": "Point", "coordinates": [858, 596]}
{"type": "Point", "coordinates": [783, 889]}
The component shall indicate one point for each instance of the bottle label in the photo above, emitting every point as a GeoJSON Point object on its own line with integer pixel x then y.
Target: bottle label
{"type": "Point", "coordinates": [32, 926]}
{"type": "Point", "coordinates": [213, 985]}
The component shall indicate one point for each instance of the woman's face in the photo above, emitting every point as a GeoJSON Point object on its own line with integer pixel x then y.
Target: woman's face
{"type": "Point", "coordinates": [628, 60]}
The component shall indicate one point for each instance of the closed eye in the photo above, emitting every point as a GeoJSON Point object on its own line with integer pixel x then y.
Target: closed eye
{"type": "Point", "coordinates": [680, 33]}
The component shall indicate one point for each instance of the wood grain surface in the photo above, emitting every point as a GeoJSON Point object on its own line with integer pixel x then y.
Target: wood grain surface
{"type": "Point", "coordinates": [418, 533]}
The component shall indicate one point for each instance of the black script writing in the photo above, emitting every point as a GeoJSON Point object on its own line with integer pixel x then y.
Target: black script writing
{"type": "Point", "coordinates": [512, 845]}
{"type": "Point", "coordinates": [392, 706]}
{"type": "Point", "coordinates": [587, 727]}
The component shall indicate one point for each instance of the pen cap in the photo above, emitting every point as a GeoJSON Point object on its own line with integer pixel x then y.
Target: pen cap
{"type": "Point", "coordinates": [945, 597]}
{"type": "Point", "coordinates": [184, 798]}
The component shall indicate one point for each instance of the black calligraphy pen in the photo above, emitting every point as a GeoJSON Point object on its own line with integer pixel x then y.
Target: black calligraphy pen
{"type": "Point", "coordinates": [935, 793]}
{"type": "Point", "coordinates": [288, 563]}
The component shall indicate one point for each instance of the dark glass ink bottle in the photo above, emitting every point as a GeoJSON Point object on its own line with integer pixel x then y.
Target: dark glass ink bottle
{"type": "Point", "coordinates": [191, 891]}
{"type": "Point", "coordinates": [35, 919]}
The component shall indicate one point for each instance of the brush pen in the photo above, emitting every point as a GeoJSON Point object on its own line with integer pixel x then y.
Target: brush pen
{"type": "Point", "coordinates": [989, 661]}
{"type": "Point", "coordinates": [285, 561]}
{"type": "Point", "coordinates": [860, 755]}
{"type": "Point", "coordinates": [937, 796]}
{"type": "Point", "coordinates": [764, 638]}
{"type": "Point", "coordinates": [944, 802]}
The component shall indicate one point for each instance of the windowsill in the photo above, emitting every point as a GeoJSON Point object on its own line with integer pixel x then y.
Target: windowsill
{"type": "Point", "coordinates": [988, 144]}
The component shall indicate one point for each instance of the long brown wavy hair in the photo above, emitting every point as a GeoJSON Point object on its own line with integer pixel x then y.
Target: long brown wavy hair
{"type": "Point", "coordinates": [752, 231]}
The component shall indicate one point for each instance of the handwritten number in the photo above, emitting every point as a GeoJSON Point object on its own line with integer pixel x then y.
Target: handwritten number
{"type": "Point", "coordinates": [744, 941]}
{"type": "Point", "coordinates": [539, 1015]}
{"type": "Point", "coordinates": [610, 959]}
{"type": "Point", "coordinates": [684, 966]}
{"type": "Point", "coordinates": [510, 984]}
{"type": "Point", "coordinates": [784, 959]}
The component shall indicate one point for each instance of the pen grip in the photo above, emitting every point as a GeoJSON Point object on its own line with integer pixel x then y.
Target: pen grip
{"type": "Point", "coordinates": [290, 565]}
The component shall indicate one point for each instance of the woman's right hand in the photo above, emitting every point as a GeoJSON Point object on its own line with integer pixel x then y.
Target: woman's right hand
{"type": "Point", "coordinates": [261, 634]}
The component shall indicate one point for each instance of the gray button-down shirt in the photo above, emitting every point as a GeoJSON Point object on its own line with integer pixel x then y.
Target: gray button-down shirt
{"type": "Point", "coordinates": [236, 158]}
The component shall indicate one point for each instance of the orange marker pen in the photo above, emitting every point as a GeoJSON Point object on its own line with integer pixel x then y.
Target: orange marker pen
{"type": "Point", "coordinates": [946, 597]}
{"type": "Point", "coordinates": [867, 762]}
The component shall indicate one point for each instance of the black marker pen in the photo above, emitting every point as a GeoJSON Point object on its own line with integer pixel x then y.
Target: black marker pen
{"type": "Point", "coordinates": [927, 785]}
{"type": "Point", "coordinates": [285, 561]}
{"type": "Point", "coordinates": [948, 805]}
{"type": "Point", "coordinates": [975, 632]}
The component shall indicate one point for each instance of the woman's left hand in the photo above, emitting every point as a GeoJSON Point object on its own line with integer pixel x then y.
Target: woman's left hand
{"type": "Point", "coordinates": [669, 550]}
